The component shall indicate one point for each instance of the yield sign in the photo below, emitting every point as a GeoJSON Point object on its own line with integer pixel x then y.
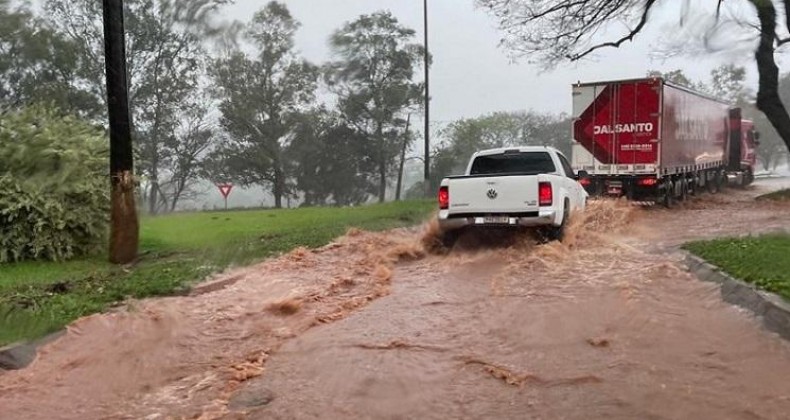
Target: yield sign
{"type": "Point", "coordinates": [224, 189]}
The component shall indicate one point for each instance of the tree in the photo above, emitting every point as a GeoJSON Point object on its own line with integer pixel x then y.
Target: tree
{"type": "Point", "coordinates": [373, 77]}
{"type": "Point", "coordinates": [674, 76]}
{"type": "Point", "coordinates": [547, 129]}
{"type": "Point", "coordinates": [727, 83]}
{"type": "Point", "coordinates": [501, 129]}
{"type": "Point", "coordinates": [772, 150]}
{"type": "Point", "coordinates": [165, 61]}
{"type": "Point", "coordinates": [262, 97]}
{"type": "Point", "coordinates": [37, 65]}
{"type": "Point", "coordinates": [188, 151]}
{"type": "Point", "coordinates": [329, 163]}
{"type": "Point", "coordinates": [555, 30]}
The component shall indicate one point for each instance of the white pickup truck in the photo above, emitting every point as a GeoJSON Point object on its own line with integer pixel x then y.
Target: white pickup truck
{"type": "Point", "coordinates": [532, 187]}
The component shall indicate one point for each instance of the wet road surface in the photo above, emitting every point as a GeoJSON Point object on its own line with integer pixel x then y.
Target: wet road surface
{"type": "Point", "coordinates": [607, 325]}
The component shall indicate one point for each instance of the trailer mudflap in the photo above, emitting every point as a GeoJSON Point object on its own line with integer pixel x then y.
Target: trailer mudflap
{"type": "Point", "coordinates": [623, 186]}
{"type": "Point", "coordinates": [614, 187]}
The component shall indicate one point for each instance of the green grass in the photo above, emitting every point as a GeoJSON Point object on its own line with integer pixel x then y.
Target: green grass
{"type": "Point", "coordinates": [780, 195]}
{"type": "Point", "coordinates": [176, 251]}
{"type": "Point", "coordinates": [760, 260]}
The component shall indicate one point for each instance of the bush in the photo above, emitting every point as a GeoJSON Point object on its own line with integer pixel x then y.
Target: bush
{"type": "Point", "coordinates": [54, 198]}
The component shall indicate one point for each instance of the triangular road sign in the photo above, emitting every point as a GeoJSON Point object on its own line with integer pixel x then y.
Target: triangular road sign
{"type": "Point", "coordinates": [224, 189]}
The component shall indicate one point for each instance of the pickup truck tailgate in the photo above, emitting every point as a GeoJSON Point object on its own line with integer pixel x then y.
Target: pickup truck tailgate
{"type": "Point", "coordinates": [494, 195]}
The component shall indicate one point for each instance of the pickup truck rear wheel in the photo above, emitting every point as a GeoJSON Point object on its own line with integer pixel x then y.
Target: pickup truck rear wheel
{"type": "Point", "coordinates": [449, 238]}
{"type": "Point", "coordinates": [557, 233]}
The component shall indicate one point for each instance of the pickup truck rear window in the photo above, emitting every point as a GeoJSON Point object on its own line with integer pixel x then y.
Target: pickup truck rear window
{"type": "Point", "coordinates": [513, 163]}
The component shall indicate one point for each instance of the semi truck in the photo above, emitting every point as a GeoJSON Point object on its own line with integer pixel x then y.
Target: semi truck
{"type": "Point", "coordinates": [654, 141]}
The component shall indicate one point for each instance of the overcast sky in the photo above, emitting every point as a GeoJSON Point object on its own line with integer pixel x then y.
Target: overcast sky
{"type": "Point", "coordinates": [471, 75]}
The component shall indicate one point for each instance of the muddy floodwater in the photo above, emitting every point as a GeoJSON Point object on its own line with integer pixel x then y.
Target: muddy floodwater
{"type": "Point", "coordinates": [608, 325]}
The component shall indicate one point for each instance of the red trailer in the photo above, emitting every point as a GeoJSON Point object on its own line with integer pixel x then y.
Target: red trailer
{"type": "Point", "coordinates": [650, 140]}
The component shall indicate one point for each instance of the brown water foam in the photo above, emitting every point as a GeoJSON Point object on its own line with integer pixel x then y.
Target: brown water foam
{"type": "Point", "coordinates": [601, 218]}
{"type": "Point", "coordinates": [185, 356]}
{"type": "Point", "coordinates": [599, 327]}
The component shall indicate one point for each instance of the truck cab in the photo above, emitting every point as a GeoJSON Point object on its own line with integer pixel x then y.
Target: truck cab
{"type": "Point", "coordinates": [750, 139]}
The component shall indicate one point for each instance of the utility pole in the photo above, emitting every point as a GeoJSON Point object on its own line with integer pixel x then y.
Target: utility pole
{"type": "Point", "coordinates": [124, 225]}
{"type": "Point", "coordinates": [428, 191]}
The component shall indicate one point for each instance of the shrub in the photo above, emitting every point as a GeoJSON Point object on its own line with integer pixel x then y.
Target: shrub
{"type": "Point", "coordinates": [54, 198]}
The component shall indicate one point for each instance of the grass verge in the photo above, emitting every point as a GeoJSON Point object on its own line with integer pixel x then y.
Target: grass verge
{"type": "Point", "coordinates": [781, 195]}
{"type": "Point", "coordinates": [760, 260]}
{"type": "Point", "coordinates": [176, 251]}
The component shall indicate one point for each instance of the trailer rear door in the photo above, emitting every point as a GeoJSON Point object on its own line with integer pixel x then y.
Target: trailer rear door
{"type": "Point", "coordinates": [617, 127]}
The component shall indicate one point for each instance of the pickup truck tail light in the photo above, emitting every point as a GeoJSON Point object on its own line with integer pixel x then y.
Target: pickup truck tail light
{"type": "Point", "coordinates": [545, 194]}
{"type": "Point", "coordinates": [444, 198]}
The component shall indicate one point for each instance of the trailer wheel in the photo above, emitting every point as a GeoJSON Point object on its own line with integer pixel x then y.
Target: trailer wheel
{"type": "Point", "coordinates": [713, 184]}
{"type": "Point", "coordinates": [669, 194]}
{"type": "Point", "coordinates": [721, 180]}
{"type": "Point", "coordinates": [682, 188]}
{"type": "Point", "coordinates": [693, 184]}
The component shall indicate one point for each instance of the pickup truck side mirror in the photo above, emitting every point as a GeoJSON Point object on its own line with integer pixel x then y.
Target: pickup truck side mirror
{"type": "Point", "coordinates": [581, 174]}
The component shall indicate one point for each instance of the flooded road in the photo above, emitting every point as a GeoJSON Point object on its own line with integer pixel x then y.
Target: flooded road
{"type": "Point", "coordinates": [607, 325]}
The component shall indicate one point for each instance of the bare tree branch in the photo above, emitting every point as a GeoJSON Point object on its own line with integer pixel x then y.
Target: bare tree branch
{"type": "Point", "coordinates": [616, 44]}
{"type": "Point", "coordinates": [555, 31]}
{"type": "Point", "coordinates": [559, 30]}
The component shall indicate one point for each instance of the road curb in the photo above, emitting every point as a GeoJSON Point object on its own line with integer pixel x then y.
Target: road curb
{"type": "Point", "coordinates": [211, 286]}
{"type": "Point", "coordinates": [771, 309]}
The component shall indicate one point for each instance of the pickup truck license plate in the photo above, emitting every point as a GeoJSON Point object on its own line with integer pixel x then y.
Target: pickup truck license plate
{"type": "Point", "coordinates": [496, 220]}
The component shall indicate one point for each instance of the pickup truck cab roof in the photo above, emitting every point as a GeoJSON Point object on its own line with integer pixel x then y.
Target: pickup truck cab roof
{"type": "Point", "coordinates": [552, 152]}
{"type": "Point", "coordinates": [516, 149]}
